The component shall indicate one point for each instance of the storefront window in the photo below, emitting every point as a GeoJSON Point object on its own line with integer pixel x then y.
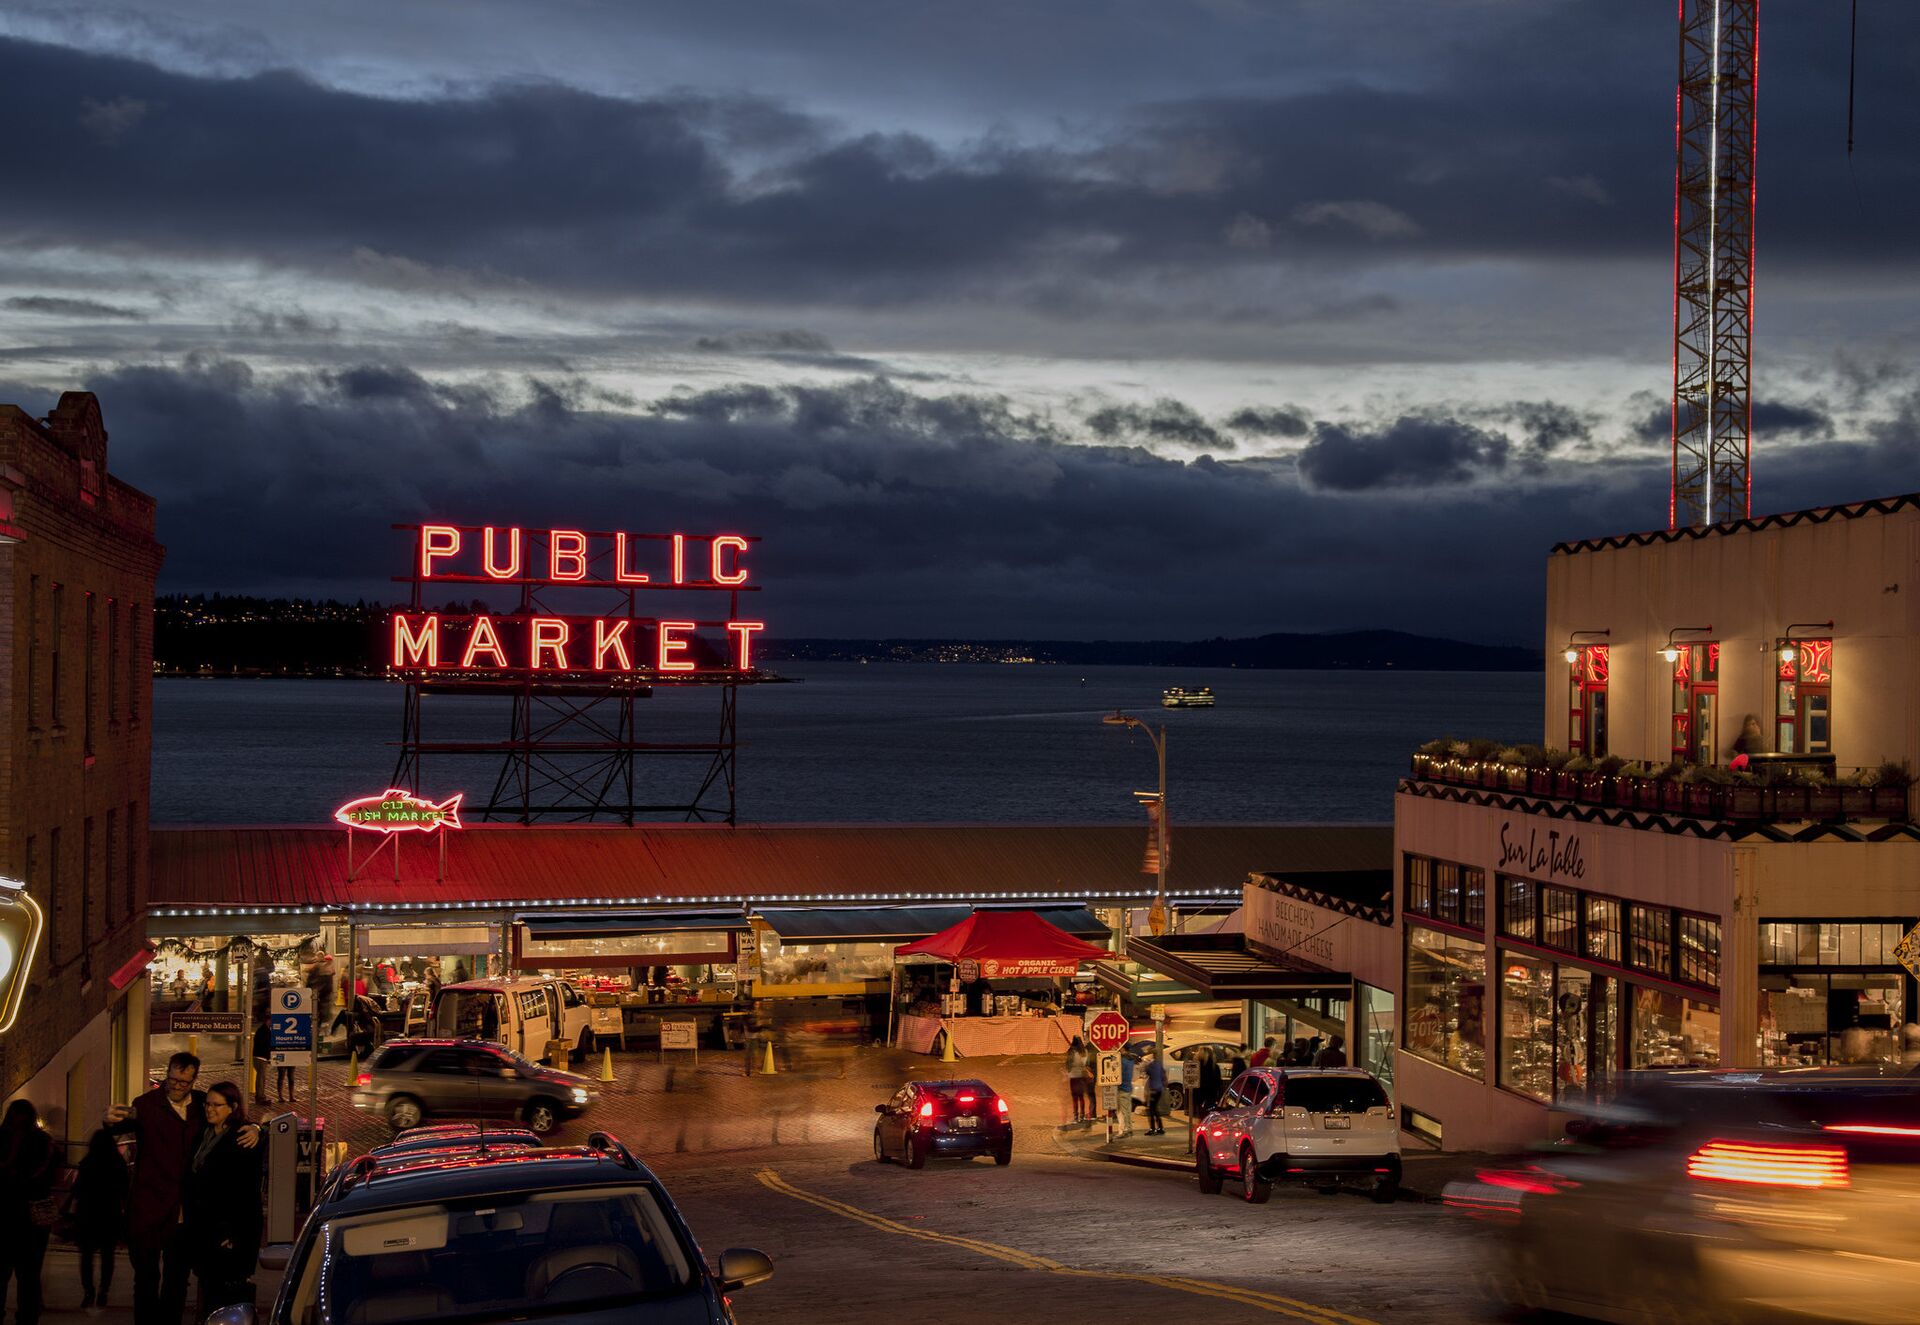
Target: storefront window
{"type": "Point", "coordinates": [1603, 930]}
{"type": "Point", "coordinates": [1517, 912]}
{"type": "Point", "coordinates": [1587, 707]}
{"type": "Point", "coordinates": [1830, 943]}
{"type": "Point", "coordinates": [1376, 1032]}
{"type": "Point", "coordinates": [1652, 931]}
{"type": "Point", "coordinates": [1445, 1000]}
{"type": "Point", "coordinates": [1696, 700]}
{"type": "Point", "coordinates": [1446, 890]}
{"type": "Point", "coordinates": [1474, 912]}
{"type": "Point", "coordinates": [1808, 1019]}
{"type": "Point", "coordinates": [1526, 1024]}
{"type": "Point", "coordinates": [1419, 885]}
{"type": "Point", "coordinates": [1700, 950]}
{"type": "Point", "coordinates": [1671, 1031]}
{"type": "Point", "coordinates": [1559, 917]}
{"type": "Point", "coordinates": [1803, 698]}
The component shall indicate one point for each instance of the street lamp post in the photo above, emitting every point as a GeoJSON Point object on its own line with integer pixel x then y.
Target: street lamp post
{"type": "Point", "coordinates": [1157, 917]}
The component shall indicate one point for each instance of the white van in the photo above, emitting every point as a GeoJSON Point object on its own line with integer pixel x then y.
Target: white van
{"type": "Point", "coordinates": [523, 1014]}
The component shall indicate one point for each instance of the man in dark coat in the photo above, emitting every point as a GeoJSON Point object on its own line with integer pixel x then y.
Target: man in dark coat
{"type": "Point", "coordinates": [168, 1121]}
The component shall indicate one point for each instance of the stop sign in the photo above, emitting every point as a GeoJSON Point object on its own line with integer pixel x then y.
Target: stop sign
{"type": "Point", "coordinates": [1107, 1031]}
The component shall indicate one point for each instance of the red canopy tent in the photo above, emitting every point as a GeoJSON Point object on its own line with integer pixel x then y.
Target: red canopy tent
{"type": "Point", "coordinates": [1009, 945]}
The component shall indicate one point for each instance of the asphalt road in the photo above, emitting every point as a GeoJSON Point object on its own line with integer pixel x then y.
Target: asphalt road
{"type": "Point", "coordinates": [1054, 1239]}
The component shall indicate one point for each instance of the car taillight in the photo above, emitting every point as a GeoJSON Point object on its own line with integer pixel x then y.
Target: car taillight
{"type": "Point", "coordinates": [1000, 1105]}
{"type": "Point", "coordinates": [364, 1079]}
{"type": "Point", "coordinates": [1872, 1129]}
{"type": "Point", "coordinates": [1769, 1165]}
{"type": "Point", "coordinates": [1531, 1181]}
{"type": "Point", "coordinates": [926, 1109]}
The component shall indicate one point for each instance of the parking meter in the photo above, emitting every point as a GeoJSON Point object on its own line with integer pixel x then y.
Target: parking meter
{"type": "Point", "coordinates": [283, 1173]}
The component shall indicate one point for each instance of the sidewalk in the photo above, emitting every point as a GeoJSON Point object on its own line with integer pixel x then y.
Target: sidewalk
{"type": "Point", "coordinates": [60, 1288]}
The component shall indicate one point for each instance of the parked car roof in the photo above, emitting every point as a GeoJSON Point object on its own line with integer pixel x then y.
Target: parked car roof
{"type": "Point", "coordinates": [375, 1183]}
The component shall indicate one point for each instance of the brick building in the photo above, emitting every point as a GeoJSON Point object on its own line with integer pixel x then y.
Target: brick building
{"type": "Point", "coordinates": [77, 565]}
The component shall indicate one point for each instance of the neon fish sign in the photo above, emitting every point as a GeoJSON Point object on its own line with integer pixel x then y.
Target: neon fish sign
{"type": "Point", "coordinates": [399, 811]}
{"type": "Point", "coordinates": [20, 925]}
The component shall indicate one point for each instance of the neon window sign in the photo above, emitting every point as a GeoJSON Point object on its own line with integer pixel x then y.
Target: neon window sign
{"type": "Point", "coordinates": [397, 811]}
{"type": "Point", "coordinates": [20, 926]}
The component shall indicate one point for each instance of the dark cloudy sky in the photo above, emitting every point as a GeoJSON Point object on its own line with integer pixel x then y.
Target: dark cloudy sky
{"type": "Point", "coordinates": [1125, 318]}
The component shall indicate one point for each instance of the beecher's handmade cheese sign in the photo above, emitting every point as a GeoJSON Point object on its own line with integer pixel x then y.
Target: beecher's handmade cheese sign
{"type": "Point", "coordinates": [660, 646]}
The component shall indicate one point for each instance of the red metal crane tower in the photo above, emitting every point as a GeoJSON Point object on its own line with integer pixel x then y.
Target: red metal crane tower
{"type": "Point", "coordinates": [1714, 143]}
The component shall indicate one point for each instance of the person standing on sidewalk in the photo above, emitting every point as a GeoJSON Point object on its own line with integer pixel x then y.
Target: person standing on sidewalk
{"type": "Point", "coordinates": [168, 1121]}
{"type": "Point", "coordinates": [1334, 1055]}
{"type": "Point", "coordinates": [1077, 1079]}
{"type": "Point", "coordinates": [1123, 1098]}
{"type": "Point", "coordinates": [1156, 1091]}
{"type": "Point", "coordinates": [262, 1058]}
{"type": "Point", "coordinates": [26, 1207]}
{"type": "Point", "coordinates": [1263, 1054]}
{"type": "Point", "coordinates": [222, 1202]}
{"type": "Point", "coordinates": [1207, 1094]}
{"type": "Point", "coordinates": [99, 1217]}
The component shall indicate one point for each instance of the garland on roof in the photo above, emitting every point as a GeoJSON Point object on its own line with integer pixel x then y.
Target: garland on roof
{"type": "Point", "coordinates": [182, 948]}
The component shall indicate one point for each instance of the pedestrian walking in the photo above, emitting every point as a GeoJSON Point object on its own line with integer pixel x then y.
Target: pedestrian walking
{"type": "Point", "coordinates": [1334, 1055]}
{"type": "Point", "coordinates": [1264, 1054]}
{"type": "Point", "coordinates": [222, 1203]}
{"type": "Point", "coordinates": [1077, 1079]}
{"type": "Point", "coordinates": [1236, 1067]}
{"type": "Point", "coordinates": [167, 1122]}
{"type": "Point", "coordinates": [99, 1205]}
{"type": "Point", "coordinates": [1207, 1094]}
{"type": "Point", "coordinates": [1123, 1097]}
{"type": "Point", "coordinates": [27, 1211]}
{"type": "Point", "coordinates": [262, 1058]}
{"type": "Point", "coordinates": [1156, 1091]}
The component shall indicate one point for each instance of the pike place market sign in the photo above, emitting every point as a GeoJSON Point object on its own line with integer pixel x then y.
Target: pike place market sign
{"type": "Point", "coordinates": [1550, 854]}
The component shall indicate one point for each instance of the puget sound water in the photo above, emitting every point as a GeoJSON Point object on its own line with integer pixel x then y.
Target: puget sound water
{"type": "Point", "coordinates": [881, 742]}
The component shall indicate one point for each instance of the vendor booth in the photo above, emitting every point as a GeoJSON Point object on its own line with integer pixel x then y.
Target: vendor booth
{"type": "Point", "coordinates": [992, 984]}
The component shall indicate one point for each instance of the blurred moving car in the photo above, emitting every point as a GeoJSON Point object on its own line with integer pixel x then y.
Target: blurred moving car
{"type": "Point", "coordinates": [1780, 1194]}
{"type": "Point", "coordinates": [925, 1119]}
{"type": "Point", "coordinates": [411, 1081]}
{"type": "Point", "coordinates": [577, 1234]}
{"type": "Point", "coordinates": [1318, 1126]}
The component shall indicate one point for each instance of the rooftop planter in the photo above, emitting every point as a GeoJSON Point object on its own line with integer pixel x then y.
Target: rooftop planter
{"type": "Point", "coordinates": [1696, 791]}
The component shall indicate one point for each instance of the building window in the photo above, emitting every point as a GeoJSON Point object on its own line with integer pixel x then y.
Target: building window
{"type": "Point", "coordinates": [1587, 701]}
{"type": "Point", "coordinates": [1651, 930]}
{"type": "Point", "coordinates": [1830, 942]}
{"type": "Point", "coordinates": [108, 860]}
{"type": "Point", "coordinates": [35, 643]}
{"type": "Point", "coordinates": [53, 655]}
{"type": "Point", "coordinates": [1699, 949]}
{"type": "Point", "coordinates": [56, 903]}
{"type": "Point", "coordinates": [1603, 930]}
{"type": "Point", "coordinates": [130, 876]}
{"type": "Point", "coordinates": [1446, 990]}
{"type": "Point", "coordinates": [1474, 906]}
{"type": "Point", "coordinates": [113, 661]}
{"type": "Point", "coordinates": [1519, 917]}
{"type": "Point", "coordinates": [88, 655]}
{"type": "Point", "coordinates": [1559, 918]}
{"type": "Point", "coordinates": [133, 665]}
{"type": "Point", "coordinates": [1696, 704]}
{"type": "Point", "coordinates": [1803, 698]}
{"type": "Point", "coordinates": [86, 898]}
{"type": "Point", "coordinates": [1671, 1031]}
{"type": "Point", "coordinates": [1446, 890]}
{"type": "Point", "coordinates": [1526, 1024]}
{"type": "Point", "coordinates": [1419, 886]}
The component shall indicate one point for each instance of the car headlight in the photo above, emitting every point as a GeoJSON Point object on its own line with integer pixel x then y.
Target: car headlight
{"type": "Point", "coordinates": [579, 1095]}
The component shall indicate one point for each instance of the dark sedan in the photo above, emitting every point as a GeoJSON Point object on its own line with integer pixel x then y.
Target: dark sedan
{"type": "Point", "coordinates": [929, 1119]}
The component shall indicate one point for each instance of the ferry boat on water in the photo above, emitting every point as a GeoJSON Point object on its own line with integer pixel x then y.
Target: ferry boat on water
{"type": "Point", "coordinates": [1175, 697]}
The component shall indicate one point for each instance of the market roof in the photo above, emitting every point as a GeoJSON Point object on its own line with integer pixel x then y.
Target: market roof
{"type": "Point", "coordinates": [566, 924]}
{"type": "Point", "coordinates": [516, 867]}
{"type": "Point", "coordinates": [1222, 966]}
{"type": "Point", "coordinates": [870, 923]}
{"type": "Point", "coordinates": [1017, 942]}
{"type": "Point", "coordinates": [1367, 893]}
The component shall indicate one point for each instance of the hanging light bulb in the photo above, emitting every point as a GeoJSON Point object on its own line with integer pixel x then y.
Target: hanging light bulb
{"type": "Point", "coordinates": [1670, 653]}
{"type": "Point", "coordinates": [1573, 655]}
{"type": "Point", "coordinates": [1786, 653]}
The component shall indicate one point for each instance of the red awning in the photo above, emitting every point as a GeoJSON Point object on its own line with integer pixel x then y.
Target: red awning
{"type": "Point", "coordinates": [1007, 944]}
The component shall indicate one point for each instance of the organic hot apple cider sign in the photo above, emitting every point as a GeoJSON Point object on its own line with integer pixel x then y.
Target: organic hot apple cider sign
{"type": "Point", "coordinates": [655, 594]}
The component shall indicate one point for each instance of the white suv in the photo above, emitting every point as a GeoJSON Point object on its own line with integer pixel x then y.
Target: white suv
{"type": "Point", "coordinates": [1320, 1126]}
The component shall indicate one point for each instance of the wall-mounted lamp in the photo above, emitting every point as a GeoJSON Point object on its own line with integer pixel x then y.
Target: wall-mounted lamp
{"type": "Point", "coordinates": [1672, 650]}
{"type": "Point", "coordinates": [1787, 650]}
{"type": "Point", "coordinates": [1574, 641]}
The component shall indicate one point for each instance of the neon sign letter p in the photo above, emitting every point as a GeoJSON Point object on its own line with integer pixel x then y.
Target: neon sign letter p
{"type": "Point", "coordinates": [437, 541]}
